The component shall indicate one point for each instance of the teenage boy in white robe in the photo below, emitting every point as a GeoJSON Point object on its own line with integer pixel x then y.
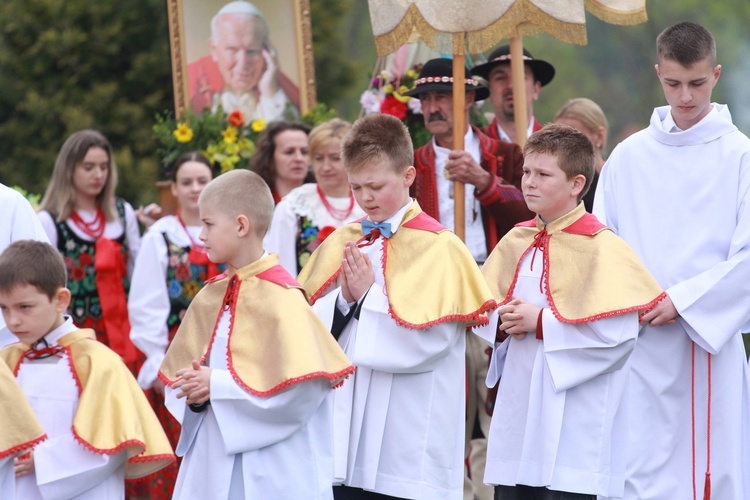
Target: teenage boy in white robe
{"type": "Point", "coordinates": [399, 290]}
{"type": "Point", "coordinates": [679, 193]}
{"type": "Point", "coordinates": [570, 293]}
{"type": "Point", "coordinates": [254, 364]}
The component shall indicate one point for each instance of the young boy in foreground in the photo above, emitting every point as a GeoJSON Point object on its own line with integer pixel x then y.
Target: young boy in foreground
{"type": "Point", "coordinates": [100, 428]}
{"type": "Point", "coordinates": [253, 362]}
{"type": "Point", "coordinates": [570, 294]}
{"type": "Point", "coordinates": [678, 192]}
{"type": "Point", "coordinates": [400, 291]}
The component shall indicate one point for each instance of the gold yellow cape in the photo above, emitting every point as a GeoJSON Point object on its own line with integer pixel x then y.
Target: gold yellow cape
{"type": "Point", "coordinates": [430, 276]}
{"type": "Point", "coordinates": [589, 272]}
{"type": "Point", "coordinates": [275, 338]}
{"type": "Point", "coordinates": [113, 414]}
{"type": "Point", "coordinates": [20, 428]}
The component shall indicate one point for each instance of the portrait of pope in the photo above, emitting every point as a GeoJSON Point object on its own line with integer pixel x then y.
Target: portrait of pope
{"type": "Point", "coordinates": [241, 70]}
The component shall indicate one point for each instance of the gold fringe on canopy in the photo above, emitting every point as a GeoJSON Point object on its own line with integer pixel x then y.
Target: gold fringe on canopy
{"type": "Point", "coordinates": [613, 11]}
{"type": "Point", "coordinates": [566, 22]}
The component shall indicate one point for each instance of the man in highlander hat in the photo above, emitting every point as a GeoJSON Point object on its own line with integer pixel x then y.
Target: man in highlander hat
{"type": "Point", "coordinates": [496, 71]}
{"type": "Point", "coordinates": [491, 171]}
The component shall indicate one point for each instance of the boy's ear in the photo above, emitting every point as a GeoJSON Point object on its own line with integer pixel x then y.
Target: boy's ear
{"type": "Point", "coordinates": [579, 181]}
{"type": "Point", "coordinates": [658, 73]}
{"type": "Point", "coordinates": [717, 73]}
{"type": "Point", "coordinates": [244, 225]}
{"type": "Point", "coordinates": [409, 175]}
{"type": "Point", "coordinates": [62, 300]}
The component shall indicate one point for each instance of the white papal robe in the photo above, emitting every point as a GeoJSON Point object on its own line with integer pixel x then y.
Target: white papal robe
{"type": "Point", "coordinates": [64, 468]}
{"type": "Point", "coordinates": [559, 419]}
{"type": "Point", "coordinates": [399, 420]}
{"type": "Point", "coordinates": [681, 200]}
{"type": "Point", "coordinates": [247, 447]}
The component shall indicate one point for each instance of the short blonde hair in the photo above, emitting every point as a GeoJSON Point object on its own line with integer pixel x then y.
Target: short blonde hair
{"type": "Point", "coordinates": [588, 113]}
{"type": "Point", "coordinates": [241, 192]}
{"type": "Point", "coordinates": [323, 133]}
{"type": "Point", "coordinates": [378, 138]}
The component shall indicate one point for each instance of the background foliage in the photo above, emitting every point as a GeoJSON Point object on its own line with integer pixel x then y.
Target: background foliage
{"type": "Point", "coordinates": [72, 64]}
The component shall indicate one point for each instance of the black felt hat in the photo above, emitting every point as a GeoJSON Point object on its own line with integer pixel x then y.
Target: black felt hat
{"type": "Point", "coordinates": [437, 75]}
{"type": "Point", "coordinates": [543, 71]}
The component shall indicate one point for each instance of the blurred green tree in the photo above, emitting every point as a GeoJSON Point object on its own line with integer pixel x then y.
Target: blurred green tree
{"type": "Point", "coordinates": [74, 64]}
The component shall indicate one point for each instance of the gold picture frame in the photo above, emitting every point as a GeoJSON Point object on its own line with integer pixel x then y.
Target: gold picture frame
{"type": "Point", "coordinates": [195, 67]}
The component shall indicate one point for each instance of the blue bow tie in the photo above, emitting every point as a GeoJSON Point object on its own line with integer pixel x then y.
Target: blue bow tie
{"type": "Point", "coordinates": [369, 226]}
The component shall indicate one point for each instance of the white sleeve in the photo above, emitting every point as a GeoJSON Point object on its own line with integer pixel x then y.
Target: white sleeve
{"type": "Point", "coordinates": [25, 225]}
{"type": "Point", "coordinates": [149, 306]}
{"type": "Point", "coordinates": [499, 349]}
{"type": "Point", "coordinates": [7, 478]}
{"type": "Point", "coordinates": [381, 344]}
{"type": "Point", "coordinates": [133, 235]}
{"type": "Point", "coordinates": [65, 469]}
{"type": "Point", "coordinates": [249, 422]}
{"type": "Point", "coordinates": [577, 353]}
{"type": "Point", "coordinates": [49, 226]}
{"type": "Point", "coordinates": [281, 237]}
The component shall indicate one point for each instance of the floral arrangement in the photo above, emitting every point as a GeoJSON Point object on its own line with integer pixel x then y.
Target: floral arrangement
{"type": "Point", "coordinates": [228, 141]}
{"type": "Point", "coordinates": [386, 95]}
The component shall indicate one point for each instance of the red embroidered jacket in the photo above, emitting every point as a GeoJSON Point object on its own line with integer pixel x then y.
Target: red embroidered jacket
{"type": "Point", "coordinates": [502, 203]}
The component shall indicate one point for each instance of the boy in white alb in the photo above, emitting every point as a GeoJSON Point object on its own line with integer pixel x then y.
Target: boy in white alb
{"type": "Point", "coordinates": [407, 290]}
{"type": "Point", "coordinates": [100, 428]}
{"type": "Point", "coordinates": [570, 294]}
{"type": "Point", "coordinates": [679, 193]}
{"type": "Point", "coordinates": [255, 365]}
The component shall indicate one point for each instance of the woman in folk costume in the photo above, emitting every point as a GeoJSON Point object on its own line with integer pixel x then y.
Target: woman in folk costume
{"type": "Point", "coordinates": [97, 235]}
{"type": "Point", "coordinates": [21, 429]}
{"type": "Point", "coordinates": [309, 213]}
{"type": "Point", "coordinates": [172, 267]}
{"type": "Point", "coordinates": [282, 158]}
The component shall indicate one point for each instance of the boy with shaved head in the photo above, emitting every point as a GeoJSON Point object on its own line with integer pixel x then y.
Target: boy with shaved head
{"type": "Point", "coordinates": [253, 362]}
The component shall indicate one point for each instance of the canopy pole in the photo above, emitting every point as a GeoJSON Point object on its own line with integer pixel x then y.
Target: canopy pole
{"type": "Point", "coordinates": [518, 76]}
{"type": "Point", "coordinates": [459, 128]}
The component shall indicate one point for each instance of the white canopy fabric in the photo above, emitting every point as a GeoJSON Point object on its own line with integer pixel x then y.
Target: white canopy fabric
{"type": "Point", "coordinates": [480, 24]}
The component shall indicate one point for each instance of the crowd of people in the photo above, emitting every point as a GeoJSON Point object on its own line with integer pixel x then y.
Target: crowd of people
{"type": "Point", "coordinates": [582, 342]}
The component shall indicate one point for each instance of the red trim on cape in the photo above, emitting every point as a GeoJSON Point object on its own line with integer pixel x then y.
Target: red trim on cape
{"type": "Point", "coordinates": [21, 447]}
{"type": "Point", "coordinates": [588, 225]}
{"type": "Point", "coordinates": [217, 278]}
{"type": "Point", "coordinates": [73, 371]}
{"type": "Point", "coordinates": [424, 222]}
{"type": "Point", "coordinates": [343, 374]}
{"type": "Point", "coordinates": [474, 317]}
{"type": "Point", "coordinates": [277, 274]}
{"type": "Point", "coordinates": [110, 451]}
{"type": "Point", "coordinates": [325, 286]}
{"type": "Point", "coordinates": [548, 294]}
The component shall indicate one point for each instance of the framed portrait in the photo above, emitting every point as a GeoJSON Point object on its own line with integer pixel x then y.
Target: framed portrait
{"type": "Point", "coordinates": [255, 56]}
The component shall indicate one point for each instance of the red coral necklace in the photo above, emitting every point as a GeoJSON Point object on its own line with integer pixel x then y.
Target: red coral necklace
{"type": "Point", "coordinates": [95, 228]}
{"type": "Point", "coordinates": [336, 213]}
